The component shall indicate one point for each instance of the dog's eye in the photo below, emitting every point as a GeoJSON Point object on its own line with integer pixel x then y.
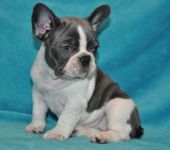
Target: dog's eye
{"type": "Point", "coordinates": [93, 47]}
{"type": "Point", "coordinates": [66, 48]}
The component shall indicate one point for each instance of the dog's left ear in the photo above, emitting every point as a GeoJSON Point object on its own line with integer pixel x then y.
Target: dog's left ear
{"type": "Point", "coordinates": [98, 16]}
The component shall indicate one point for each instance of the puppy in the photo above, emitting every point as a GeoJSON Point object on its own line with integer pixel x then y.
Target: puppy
{"type": "Point", "coordinates": [67, 81]}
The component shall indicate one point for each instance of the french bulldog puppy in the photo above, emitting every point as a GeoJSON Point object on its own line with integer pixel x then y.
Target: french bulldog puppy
{"type": "Point", "coordinates": [67, 81]}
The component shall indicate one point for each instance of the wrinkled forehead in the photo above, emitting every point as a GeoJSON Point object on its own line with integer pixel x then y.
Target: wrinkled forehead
{"type": "Point", "coordinates": [70, 29]}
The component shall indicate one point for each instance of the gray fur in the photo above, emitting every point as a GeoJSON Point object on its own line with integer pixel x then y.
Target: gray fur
{"type": "Point", "coordinates": [105, 90]}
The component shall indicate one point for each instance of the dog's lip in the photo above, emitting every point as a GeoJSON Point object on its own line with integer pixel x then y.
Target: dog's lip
{"type": "Point", "coordinates": [80, 76]}
{"type": "Point", "coordinates": [55, 77]}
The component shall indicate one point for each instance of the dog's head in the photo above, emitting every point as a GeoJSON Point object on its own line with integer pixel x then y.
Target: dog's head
{"type": "Point", "coordinates": [70, 43]}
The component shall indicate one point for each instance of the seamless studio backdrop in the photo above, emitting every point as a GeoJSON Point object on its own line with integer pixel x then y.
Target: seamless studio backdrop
{"type": "Point", "coordinates": [134, 51]}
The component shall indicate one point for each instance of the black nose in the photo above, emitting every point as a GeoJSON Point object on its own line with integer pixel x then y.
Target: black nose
{"type": "Point", "coordinates": [85, 61]}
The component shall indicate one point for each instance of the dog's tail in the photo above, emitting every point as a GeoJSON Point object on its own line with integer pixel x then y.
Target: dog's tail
{"type": "Point", "coordinates": [139, 132]}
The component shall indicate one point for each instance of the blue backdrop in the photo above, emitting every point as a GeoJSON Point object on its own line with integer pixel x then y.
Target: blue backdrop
{"type": "Point", "coordinates": [134, 51]}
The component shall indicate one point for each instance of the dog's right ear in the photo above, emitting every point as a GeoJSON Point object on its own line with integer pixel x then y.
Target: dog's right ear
{"type": "Point", "coordinates": [43, 21]}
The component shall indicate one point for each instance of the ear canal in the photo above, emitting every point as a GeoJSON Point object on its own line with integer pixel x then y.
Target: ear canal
{"type": "Point", "coordinates": [43, 21]}
{"type": "Point", "coordinates": [98, 16]}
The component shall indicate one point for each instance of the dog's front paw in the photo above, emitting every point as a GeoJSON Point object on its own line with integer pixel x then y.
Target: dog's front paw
{"type": "Point", "coordinates": [99, 138]}
{"type": "Point", "coordinates": [54, 135]}
{"type": "Point", "coordinates": [35, 128]}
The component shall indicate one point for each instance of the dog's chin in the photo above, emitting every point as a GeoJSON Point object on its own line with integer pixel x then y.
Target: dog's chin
{"type": "Point", "coordinates": [78, 75]}
{"type": "Point", "coordinates": [67, 76]}
{"type": "Point", "coordinates": [73, 75]}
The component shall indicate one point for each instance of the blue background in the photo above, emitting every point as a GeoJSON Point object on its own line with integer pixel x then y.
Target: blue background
{"type": "Point", "coordinates": [134, 51]}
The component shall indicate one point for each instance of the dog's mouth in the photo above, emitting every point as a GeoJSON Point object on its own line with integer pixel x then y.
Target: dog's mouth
{"type": "Point", "coordinates": [64, 75]}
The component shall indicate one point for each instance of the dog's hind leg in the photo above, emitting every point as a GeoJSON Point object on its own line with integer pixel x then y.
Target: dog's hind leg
{"type": "Point", "coordinates": [122, 120]}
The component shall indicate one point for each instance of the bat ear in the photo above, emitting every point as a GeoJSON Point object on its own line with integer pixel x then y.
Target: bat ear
{"type": "Point", "coordinates": [98, 16]}
{"type": "Point", "coordinates": [43, 21]}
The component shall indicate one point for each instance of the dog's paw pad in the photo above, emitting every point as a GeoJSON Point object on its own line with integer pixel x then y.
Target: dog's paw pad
{"type": "Point", "coordinates": [32, 128]}
{"type": "Point", "coordinates": [99, 138]}
{"type": "Point", "coordinates": [53, 135]}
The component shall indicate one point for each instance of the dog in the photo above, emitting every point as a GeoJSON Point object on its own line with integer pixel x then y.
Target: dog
{"type": "Point", "coordinates": [67, 81]}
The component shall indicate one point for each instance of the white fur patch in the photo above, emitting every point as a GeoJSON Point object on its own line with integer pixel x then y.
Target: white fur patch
{"type": "Point", "coordinates": [83, 39]}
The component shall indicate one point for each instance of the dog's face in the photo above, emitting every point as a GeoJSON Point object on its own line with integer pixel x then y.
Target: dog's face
{"type": "Point", "coordinates": [70, 43]}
